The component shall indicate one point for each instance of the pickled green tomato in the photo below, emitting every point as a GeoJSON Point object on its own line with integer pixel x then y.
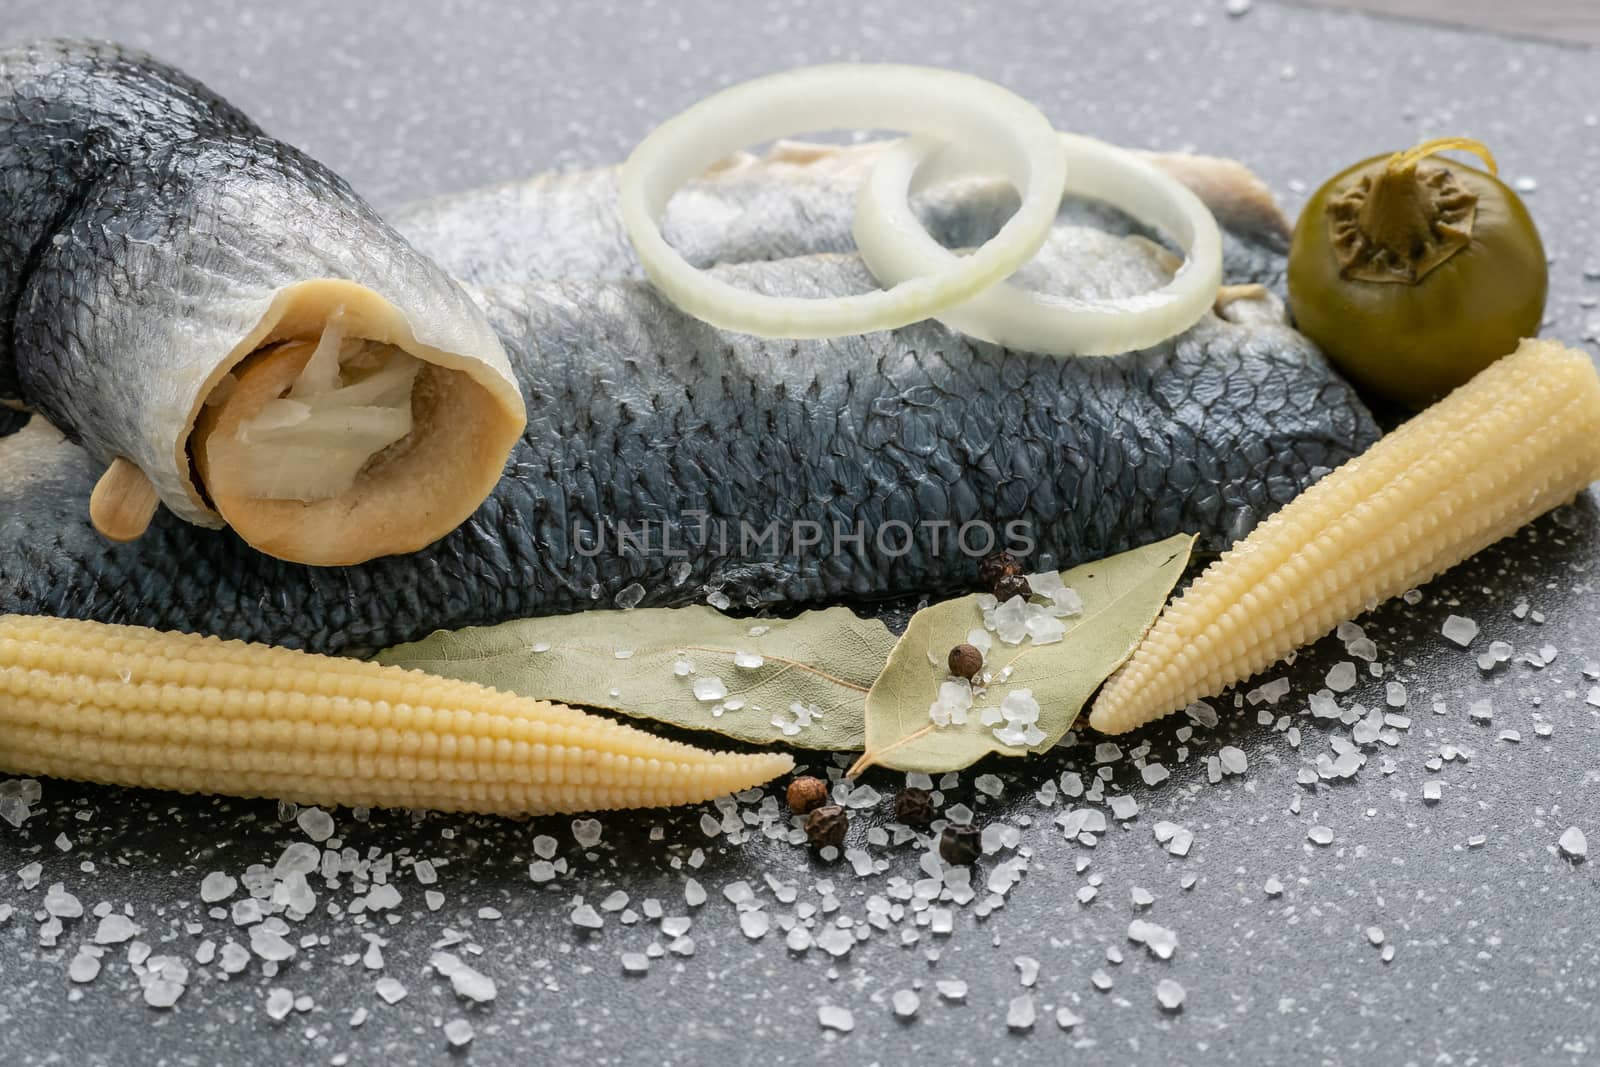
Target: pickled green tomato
{"type": "Point", "coordinates": [1413, 274]}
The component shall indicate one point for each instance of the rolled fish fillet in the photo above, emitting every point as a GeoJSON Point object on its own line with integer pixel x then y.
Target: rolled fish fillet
{"type": "Point", "coordinates": [212, 313]}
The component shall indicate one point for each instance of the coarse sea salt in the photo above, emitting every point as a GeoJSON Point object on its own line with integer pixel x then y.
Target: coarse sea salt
{"type": "Point", "coordinates": [1460, 630]}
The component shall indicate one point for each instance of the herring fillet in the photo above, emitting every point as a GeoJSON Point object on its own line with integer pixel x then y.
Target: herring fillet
{"type": "Point", "coordinates": [639, 416]}
{"type": "Point", "coordinates": [153, 239]}
{"type": "Point", "coordinates": [798, 199]}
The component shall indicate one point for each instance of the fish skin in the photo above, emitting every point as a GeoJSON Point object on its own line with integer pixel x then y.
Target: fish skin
{"type": "Point", "coordinates": [797, 200]}
{"type": "Point", "coordinates": [638, 412]}
{"type": "Point", "coordinates": [148, 229]}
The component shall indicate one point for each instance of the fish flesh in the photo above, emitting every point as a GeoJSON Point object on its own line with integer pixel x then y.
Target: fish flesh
{"type": "Point", "coordinates": [654, 442]}
{"type": "Point", "coordinates": [155, 243]}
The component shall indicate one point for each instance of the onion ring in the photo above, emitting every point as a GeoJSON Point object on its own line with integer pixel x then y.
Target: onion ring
{"type": "Point", "coordinates": [1014, 138]}
{"type": "Point", "coordinates": [897, 248]}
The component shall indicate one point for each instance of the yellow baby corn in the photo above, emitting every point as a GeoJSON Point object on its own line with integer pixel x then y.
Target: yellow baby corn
{"type": "Point", "coordinates": [130, 706]}
{"type": "Point", "coordinates": [1519, 439]}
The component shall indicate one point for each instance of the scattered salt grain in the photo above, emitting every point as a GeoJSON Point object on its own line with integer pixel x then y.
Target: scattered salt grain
{"type": "Point", "coordinates": [1320, 835]}
{"type": "Point", "coordinates": [458, 1031]}
{"type": "Point", "coordinates": [1342, 678]}
{"type": "Point", "coordinates": [390, 990]}
{"type": "Point", "coordinates": [115, 929]}
{"type": "Point", "coordinates": [586, 832]}
{"type": "Point", "coordinates": [315, 823]}
{"type": "Point", "coordinates": [217, 886]}
{"type": "Point", "coordinates": [1169, 995]}
{"type": "Point", "coordinates": [1459, 629]}
{"type": "Point", "coordinates": [709, 688]}
{"type": "Point", "coordinates": [905, 1002]}
{"type": "Point", "coordinates": [1020, 1013]}
{"type": "Point", "coordinates": [833, 1017]}
{"type": "Point", "coordinates": [1574, 845]}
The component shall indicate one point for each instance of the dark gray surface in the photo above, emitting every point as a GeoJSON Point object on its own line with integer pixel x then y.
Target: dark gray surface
{"type": "Point", "coordinates": [1496, 959]}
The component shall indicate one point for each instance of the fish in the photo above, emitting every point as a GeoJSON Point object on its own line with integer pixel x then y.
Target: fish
{"type": "Point", "coordinates": [156, 244]}
{"type": "Point", "coordinates": [655, 441]}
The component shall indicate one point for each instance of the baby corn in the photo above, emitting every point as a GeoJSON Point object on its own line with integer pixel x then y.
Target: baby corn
{"type": "Point", "coordinates": [129, 706]}
{"type": "Point", "coordinates": [1519, 439]}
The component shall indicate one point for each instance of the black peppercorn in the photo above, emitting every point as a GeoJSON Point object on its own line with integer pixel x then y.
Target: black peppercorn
{"type": "Point", "coordinates": [961, 844]}
{"type": "Point", "coordinates": [827, 825]}
{"type": "Point", "coordinates": [965, 661]}
{"type": "Point", "coordinates": [914, 807]}
{"type": "Point", "coordinates": [806, 794]}
{"type": "Point", "coordinates": [1012, 585]}
{"type": "Point", "coordinates": [995, 567]}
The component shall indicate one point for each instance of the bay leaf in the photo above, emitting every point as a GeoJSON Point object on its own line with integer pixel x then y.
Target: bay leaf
{"type": "Point", "coordinates": [624, 661]}
{"type": "Point", "coordinates": [1121, 595]}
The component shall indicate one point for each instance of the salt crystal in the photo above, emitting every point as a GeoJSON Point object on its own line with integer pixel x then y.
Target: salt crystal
{"type": "Point", "coordinates": [694, 893]}
{"type": "Point", "coordinates": [115, 929]}
{"type": "Point", "coordinates": [1124, 807]}
{"type": "Point", "coordinates": [468, 983]}
{"type": "Point", "coordinates": [1342, 678]}
{"type": "Point", "coordinates": [635, 963]}
{"type": "Point", "coordinates": [390, 990]}
{"type": "Point", "coordinates": [1459, 629]}
{"type": "Point", "coordinates": [754, 924]}
{"type": "Point", "coordinates": [951, 989]}
{"type": "Point", "coordinates": [1102, 981]}
{"type": "Point", "coordinates": [217, 886]}
{"type": "Point", "coordinates": [905, 1002]}
{"type": "Point", "coordinates": [1066, 1018]}
{"type": "Point", "coordinates": [1011, 621]}
{"type": "Point", "coordinates": [280, 1002]}
{"type": "Point", "coordinates": [1141, 897]}
{"type": "Point", "coordinates": [1233, 760]}
{"type": "Point", "coordinates": [586, 917]}
{"type": "Point", "coordinates": [1272, 887]}
{"type": "Point", "coordinates": [1394, 694]}
{"type": "Point", "coordinates": [1320, 835]}
{"type": "Point", "coordinates": [748, 660]}
{"type": "Point", "coordinates": [586, 832]}
{"type": "Point", "coordinates": [709, 688]}
{"type": "Point", "coordinates": [1154, 773]}
{"type": "Point", "coordinates": [1045, 629]}
{"type": "Point", "coordinates": [62, 904]}
{"type": "Point", "coordinates": [835, 1018]}
{"type": "Point", "coordinates": [83, 968]}
{"type": "Point", "coordinates": [1375, 935]}
{"type": "Point", "coordinates": [315, 823]}
{"type": "Point", "coordinates": [1169, 995]}
{"type": "Point", "coordinates": [459, 1031]}
{"type": "Point", "coordinates": [1573, 844]}
{"type": "Point", "coordinates": [989, 785]}
{"type": "Point", "coordinates": [1020, 1013]}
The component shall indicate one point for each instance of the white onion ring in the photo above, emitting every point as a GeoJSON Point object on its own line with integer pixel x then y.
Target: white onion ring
{"type": "Point", "coordinates": [897, 248]}
{"type": "Point", "coordinates": [1013, 137]}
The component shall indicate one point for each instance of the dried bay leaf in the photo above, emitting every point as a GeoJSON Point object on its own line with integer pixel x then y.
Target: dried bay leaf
{"type": "Point", "coordinates": [624, 661]}
{"type": "Point", "coordinates": [1122, 596]}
